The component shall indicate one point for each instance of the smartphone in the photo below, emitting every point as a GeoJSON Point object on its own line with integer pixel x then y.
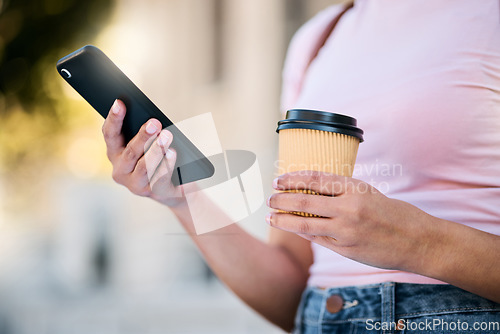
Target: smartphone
{"type": "Point", "coordinates": [99, 81]}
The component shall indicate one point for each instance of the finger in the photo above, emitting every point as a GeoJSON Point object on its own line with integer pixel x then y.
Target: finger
{"type": "Point", "coordinates": [323, 206]}
{"type": "Point", "coordinates": [112, 128]}
{"type": "Point", "coordinates": [136, 148]}
{"type": "Point", "coordinates": [163, 174]}
{"type": "Point", "coordinates": [150, 161]}
{"type": "Point", "coordinates": [148, 164]}
{"type": "Point", "coordinates": [161, 181]}
{"type": "Point", "coordinates": [319, 182]}
{"type": "Point", "coordinates": [321, 240]}
{"type": "Point", "coordinates": [300, 225]}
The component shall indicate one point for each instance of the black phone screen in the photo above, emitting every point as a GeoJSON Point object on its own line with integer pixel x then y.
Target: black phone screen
{"type": "Point", "coordinates": [100, 82]}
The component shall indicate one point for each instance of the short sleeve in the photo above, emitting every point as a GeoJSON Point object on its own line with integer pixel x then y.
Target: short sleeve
{"type": "Point", "coordinates": [300, 52]}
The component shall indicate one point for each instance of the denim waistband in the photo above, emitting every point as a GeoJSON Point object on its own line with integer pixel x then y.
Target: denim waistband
{"type": "Point", "coordinates": [388, 302]}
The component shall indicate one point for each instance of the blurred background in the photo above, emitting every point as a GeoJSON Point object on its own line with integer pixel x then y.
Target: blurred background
{"type": "Point", "coordinates": [78, 253]}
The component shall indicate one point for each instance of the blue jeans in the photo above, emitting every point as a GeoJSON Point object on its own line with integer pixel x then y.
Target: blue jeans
{"type": "Point", "coordinates": [391, 308]}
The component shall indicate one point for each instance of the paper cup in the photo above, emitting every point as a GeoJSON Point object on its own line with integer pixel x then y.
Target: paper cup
{"type": "Point", "coordinates": [319, 141]}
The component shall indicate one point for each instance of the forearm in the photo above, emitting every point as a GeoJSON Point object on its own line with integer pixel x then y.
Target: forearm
{"type": "Point", "coordinates": [266, 277]}
{"type": "Point", "coordinates": [462, 256]}
{"type": "Point", "coordinates": [362, 224]}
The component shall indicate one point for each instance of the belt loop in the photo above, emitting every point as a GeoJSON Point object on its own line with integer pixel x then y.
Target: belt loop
{"type": "Point", "coordinates": [322, 311]}
{"type": "Point", "coordinates": [387, 304]}
{"type": "Point", "coordinates": [299, 317]}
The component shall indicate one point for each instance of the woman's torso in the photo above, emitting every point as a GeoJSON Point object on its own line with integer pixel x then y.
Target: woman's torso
{"type": "Point", "coordinates": [423, 80]}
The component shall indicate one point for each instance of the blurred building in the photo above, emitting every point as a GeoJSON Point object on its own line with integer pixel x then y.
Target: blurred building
{"type": "Point", "coordinates": [96, 259]}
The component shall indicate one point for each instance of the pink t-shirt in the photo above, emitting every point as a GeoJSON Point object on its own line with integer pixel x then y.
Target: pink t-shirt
{"type": "Point", "coordinates": [423, 80]}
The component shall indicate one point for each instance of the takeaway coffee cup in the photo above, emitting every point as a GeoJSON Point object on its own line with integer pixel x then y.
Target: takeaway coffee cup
{"type": "Point", "coordinates": [318, 140]}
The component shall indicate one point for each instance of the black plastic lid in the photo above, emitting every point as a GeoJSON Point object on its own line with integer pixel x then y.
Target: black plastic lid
{"type": "Point", "coordinates": [320, 120]}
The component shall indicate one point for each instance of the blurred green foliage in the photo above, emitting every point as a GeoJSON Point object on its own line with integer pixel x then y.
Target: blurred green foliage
{"type": "Point", "coordinates": [34, 34]}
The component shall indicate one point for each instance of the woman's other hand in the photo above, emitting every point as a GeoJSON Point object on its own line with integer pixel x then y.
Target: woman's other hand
{"type": "Point", "coordinates": [357, 221]}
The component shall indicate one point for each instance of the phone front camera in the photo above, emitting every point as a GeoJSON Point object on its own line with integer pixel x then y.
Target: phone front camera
{"type": "Point", "coordinates": [65, 73]}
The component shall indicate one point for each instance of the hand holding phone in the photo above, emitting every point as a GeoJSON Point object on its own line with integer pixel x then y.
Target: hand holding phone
{"type": "Point", "coordinates": [99, 81]}
{"type": "Point", "coordinates": [143, 173]}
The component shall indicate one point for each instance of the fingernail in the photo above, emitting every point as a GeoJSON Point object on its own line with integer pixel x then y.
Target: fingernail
{"type": "Point", "coordinates": [164, 138]}
{"type": "Point", "coordinates": [268, 201]}
{"type": "Point", "coordinates": [275, 183]}
{"type": "Point", "coordinates": [151, 128]}
{"type": "Point", "coordinates": [268, 218]}
{"type": "Point", "coordinates": [169, 154]}
{"type": "Point", "coordinates": [115, 107]}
